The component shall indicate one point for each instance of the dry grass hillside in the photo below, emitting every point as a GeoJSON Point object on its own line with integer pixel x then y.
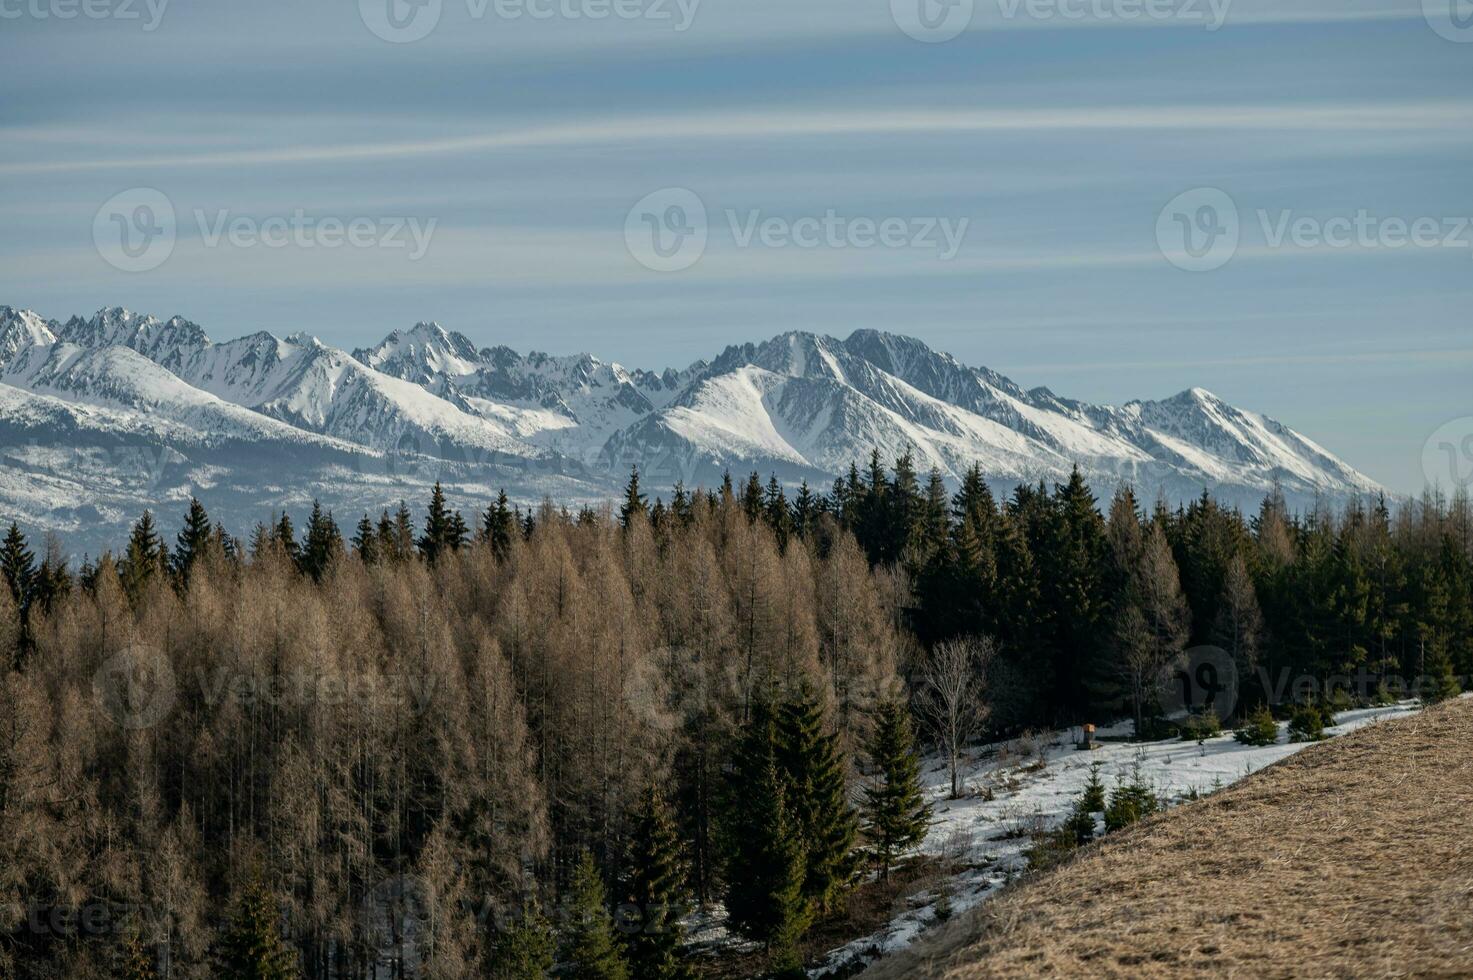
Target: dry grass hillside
{"type": "Point", "coordinates": [1353, 858]}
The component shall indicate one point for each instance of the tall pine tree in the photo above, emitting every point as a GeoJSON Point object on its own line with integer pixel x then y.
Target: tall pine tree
{"type": "Point", "coordinates": [765, 867]}
{"type": "Point", "coordinates": [654, 883]}
{"type": "Point", "coordinates": [524, 951]}
{"type": "Point", "coordinates": [194, 538]}
{"type": "Point", "coordinates": [18, 564]}
{"type": "Point", "coordinates": [634, 501]}
{"type": "Point", "coordinates": [323, 543]}
{"type": "Point", "coordinates": [896, 814]}
{"type": "Point", "coordinates": [589, 950]}
{"type": "Point", "coordinates": [145, 558]}
{"type": "Point", "coordinates": [439, 526]}
{"type": "Point", "coordinates": [365, 541]}
{"type": "Point", "coordinates": [817, 784]}
{"type": "Point", "coordinates": [498, 527]}
{"type": "Point", "coordinates": [251, 947]}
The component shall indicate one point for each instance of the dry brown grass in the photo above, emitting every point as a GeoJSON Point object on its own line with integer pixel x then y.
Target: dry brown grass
{"type": "Point", "coordinates": [1351, 859]}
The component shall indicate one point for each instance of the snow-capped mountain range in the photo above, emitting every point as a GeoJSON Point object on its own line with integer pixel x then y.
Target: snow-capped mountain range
{"type": "Point", "coordinates": [102, 417]}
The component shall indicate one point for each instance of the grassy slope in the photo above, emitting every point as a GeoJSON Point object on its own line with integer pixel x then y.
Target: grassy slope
{"type": "Point", "coordinates": [1351, 859]}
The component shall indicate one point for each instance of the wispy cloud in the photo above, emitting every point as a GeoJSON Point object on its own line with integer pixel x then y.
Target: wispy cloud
{"type": "Point", "coordinates": [1438, 116]}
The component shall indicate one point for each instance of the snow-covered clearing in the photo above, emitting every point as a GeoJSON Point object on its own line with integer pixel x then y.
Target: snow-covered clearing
{"type": "Point", "coordinates": [1013, 789]}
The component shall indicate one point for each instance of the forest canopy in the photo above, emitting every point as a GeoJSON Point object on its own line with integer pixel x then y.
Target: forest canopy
{"type": "Point", "coordinates": [288, 745]}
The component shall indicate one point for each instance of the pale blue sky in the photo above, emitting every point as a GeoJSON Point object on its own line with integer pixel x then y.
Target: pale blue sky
{"type": "Point", "coordinates": [1059, 140]}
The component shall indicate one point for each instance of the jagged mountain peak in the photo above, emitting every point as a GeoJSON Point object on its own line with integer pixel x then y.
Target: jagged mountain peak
{"type": "Point", "coordinates": [148, 335]}
{"type": "Point", "coordinates": [22, 330]}
{"type": "Point", "coordinates": [422, 352]}
{"type": "Point", "coordinates": [801, 404]}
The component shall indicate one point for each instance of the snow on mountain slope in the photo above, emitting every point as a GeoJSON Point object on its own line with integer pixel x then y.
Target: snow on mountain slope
{"type": "Point", "coordinates": [116, 377]}
{"type": "Point", "coordinates": [20, 329]}
{"type": "Point", "coordinates": [87, 470]}
{"type": "Point", "coordinates": [569, 404]}
{"type": "Point", "coordinates": [306, 384]}
{"type": "Point", "coordinates": [816, 423]}
{"type": "Point", "coordinates": [827, 402]}
{"type": "Point", "coordinates": [426, 403]}
{"type": "Point", "coordinates": [423, 355]}
{"type": "Point", "coordinates": [1201, 428]}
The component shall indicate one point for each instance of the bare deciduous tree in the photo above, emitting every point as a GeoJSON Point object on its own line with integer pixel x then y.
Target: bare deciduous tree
{"type": "Point", "coordinates": [1151, 628]}
{"type": "Point", "coordinates": [1239, 627]}
{"type": "Point", "coordinates": [951, 697]}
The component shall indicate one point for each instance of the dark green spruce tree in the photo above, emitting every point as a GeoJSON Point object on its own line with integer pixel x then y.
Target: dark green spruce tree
{"type": "Point", "coordinates": [323, 543]}
{"type": "Point", "coordinates": [634, 501]}
{"type": "Point", "coordinates": [144, 558]}
{"type": "Point", "coordinates": [752, 498]}
{"type": "Point", "coordinates": [460, 532]}
{"type": "Point", "coordinates": [896, 814]}
{"type": "Point", "coordinates": [365, 541]}
{"type": "Point", "coordinates": [817, 783]}
{"type": "Point", "coordinates": [193, 541]}
{"type": "Point", "coordinates": [654, 884]}
{"type": "Point", "coordinates": [525, 950]}
{"type": "Point", "coordinates": [444, 531]}
{"type": "Point", "coordinates": [53, 579]}
{"type": "Point", "coordinates": [18, 564]}
{"type": "Point", "coordinates": [286, 537]}
{"type": "Point", "coordinates": [401, 535]}
{"type": "Point", "coordinates": [251, 947]}
{"type": "Point", "coordinates": [765, 868]}
{"type": "Point", "coordinates": [589, 950]}
{"type": "Point", "coordinates": [498, 527]}
{"type": "Point", "coordinates": [681, 507]}
{"type": "Point", "coordinates": [805, 511]}
{"type": "Point", "coordinates": [779, 516]}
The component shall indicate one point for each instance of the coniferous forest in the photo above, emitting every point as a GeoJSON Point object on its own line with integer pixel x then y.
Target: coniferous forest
{"type": "Point", "coordinates": [503, 743]}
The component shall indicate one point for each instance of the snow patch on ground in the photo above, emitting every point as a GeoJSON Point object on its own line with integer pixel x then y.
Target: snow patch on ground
{"type": "Point", "coordinates": [1033, 783]}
